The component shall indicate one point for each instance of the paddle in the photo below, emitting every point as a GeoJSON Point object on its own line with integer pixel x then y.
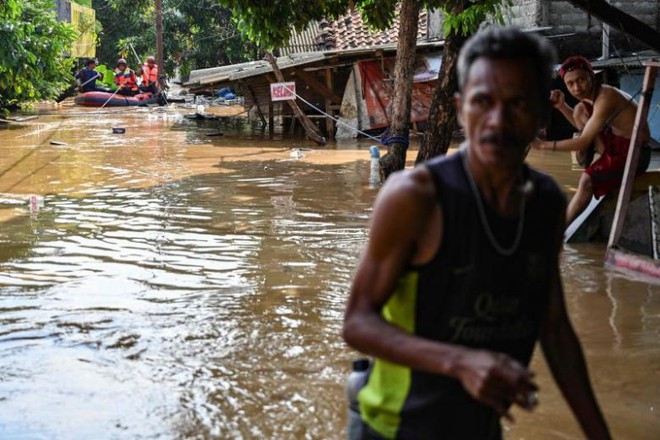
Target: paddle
{"type": "Point", "coordinates": [112, 96]}
{"type": "Point", "coordinates": [98, 75]}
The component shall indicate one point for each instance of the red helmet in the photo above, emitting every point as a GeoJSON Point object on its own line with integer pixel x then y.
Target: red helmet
{"type": "Point", "coordinates": [121, 61]}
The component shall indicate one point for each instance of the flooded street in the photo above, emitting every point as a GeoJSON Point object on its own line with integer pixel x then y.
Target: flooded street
{"type": "Point", "coordinates": [177, 285]}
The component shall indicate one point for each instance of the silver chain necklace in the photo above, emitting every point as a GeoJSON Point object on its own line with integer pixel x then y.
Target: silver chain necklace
{"type": "Point", "coordinates": [507, 252]}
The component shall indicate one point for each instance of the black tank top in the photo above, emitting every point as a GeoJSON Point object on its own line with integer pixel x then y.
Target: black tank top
{"type": "Point", "coordinates": [468, 294]}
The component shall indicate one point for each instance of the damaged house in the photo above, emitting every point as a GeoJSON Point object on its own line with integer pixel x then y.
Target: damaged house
{"type": "Point", "coordinates": [343, 72]}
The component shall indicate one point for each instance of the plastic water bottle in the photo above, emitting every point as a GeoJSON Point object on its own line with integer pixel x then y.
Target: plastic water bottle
{"type": "Point", "coordinates": [356, 380]}
{"type": "Point", "coordinates": [374, 175]}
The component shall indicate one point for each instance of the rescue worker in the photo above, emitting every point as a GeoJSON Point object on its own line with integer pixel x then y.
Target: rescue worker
{"type": "Point", "coordinates": [86, 78]}
{"type": "Point", "coordinates": [149, 72]}
{"type": "Point", "coordinates": [125, 79]}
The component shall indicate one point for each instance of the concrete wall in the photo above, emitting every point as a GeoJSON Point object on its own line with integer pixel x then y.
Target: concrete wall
{"type": "Point", "coordinates": [63, 8]}
{"type": "Point", "coordinates": [567, 19]}
{"type": "Point", "coordinates": [580, 33]}
{"type": "Point", "coordinates": [566, 15]}
{"type": "Point", "coordinates": [560, 13]}
{"type": "Point", "coordinates": [523, 13]}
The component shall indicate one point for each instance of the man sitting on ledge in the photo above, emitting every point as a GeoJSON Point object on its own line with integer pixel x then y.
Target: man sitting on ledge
{"type": "Point", "coordinates": [604, 118]}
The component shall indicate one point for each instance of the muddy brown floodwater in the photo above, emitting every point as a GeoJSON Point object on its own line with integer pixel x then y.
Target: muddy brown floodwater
{"type": "Point", "coordinates": [176, 285]}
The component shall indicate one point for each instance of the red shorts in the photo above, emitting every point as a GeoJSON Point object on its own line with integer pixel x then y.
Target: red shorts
{"type": "Point", "coordinates": [607, 172]}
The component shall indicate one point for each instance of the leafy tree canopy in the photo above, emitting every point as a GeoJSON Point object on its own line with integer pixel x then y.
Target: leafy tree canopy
{"type": "Point", "coordinates": [197, 34]}
{"type": "Point", "coordinates": [269, 23]}
{"type": "Point", "coordinates": [208, 33]}
{"type": "Point", "coordinates": [33, 61]}
{"type": "Point", "coordinates": [473, 15]}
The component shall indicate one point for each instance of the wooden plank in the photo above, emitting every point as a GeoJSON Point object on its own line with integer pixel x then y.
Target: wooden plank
{"type": "Point", "coordinates": [633, 263]}
{"type": "Point", "coordinates": [329, 122]}
{"type": "Point", "coordinates": [633, 157]}
{"type": "Point", "coordinates": [654, 210]}
{"type": "Point", "coordinates": [18, 119]}
{"type": "Point", "coordinates": [620, 20]}
{"type": "Point", "coordinates": [253, 97]}
{"type": "Point", "coordinates": [580, 220]}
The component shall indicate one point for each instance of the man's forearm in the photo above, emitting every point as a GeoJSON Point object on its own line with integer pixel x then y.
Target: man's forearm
{"type": "Point", "coordinates": [375, 337]}
{"type": "Point", "coordinates": [570, 373]}
{"type": "Point", "coordinates": [567, 112]}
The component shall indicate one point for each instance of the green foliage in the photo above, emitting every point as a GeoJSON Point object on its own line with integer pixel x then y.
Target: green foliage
{"type": "Point", "coordinates": [377, 14]}
{"type": "Point", "coordinates": [467, 22]}
{"type": "Point", "coordinates": [123, 22]}
{"type": "Point", "coordinates": [269, 24]}
{"type": "Point", "coordinates": [208, 33]}
{"type": "Point", "coordinates": [108, 76]}
{"type": "Point", "coordinates": [33, 64]}
{"type": "Point", "coordinates": [197, 34]}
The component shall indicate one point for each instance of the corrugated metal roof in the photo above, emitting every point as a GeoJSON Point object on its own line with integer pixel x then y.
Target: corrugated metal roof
{"type": "Point", "coordinates": [634, 60]}
{"type": "Point", "coordinates": [304, 41]}
{"type": "Point", "coordinates": [237, 72]}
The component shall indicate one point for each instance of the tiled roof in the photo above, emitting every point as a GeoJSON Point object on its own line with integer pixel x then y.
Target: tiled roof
{"type": "Point", "coordinates": [347, 32]}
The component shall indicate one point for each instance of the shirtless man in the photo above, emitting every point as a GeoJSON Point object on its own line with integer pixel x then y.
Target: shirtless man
{"type": "Point", "coordinates": [604, 118]}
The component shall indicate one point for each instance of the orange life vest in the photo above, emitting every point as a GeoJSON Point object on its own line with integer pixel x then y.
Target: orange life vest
{"type": "Point", "coordinates": [149, 74]}
{"type": "Point", "coordinates": [126, 78]}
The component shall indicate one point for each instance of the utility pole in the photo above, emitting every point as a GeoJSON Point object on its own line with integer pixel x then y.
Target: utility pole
{"type": "Point", "coordinates": [159, 34]}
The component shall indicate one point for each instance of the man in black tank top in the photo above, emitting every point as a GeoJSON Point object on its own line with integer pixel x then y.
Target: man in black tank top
{"type": "Point", "coordinates": [460, 276]}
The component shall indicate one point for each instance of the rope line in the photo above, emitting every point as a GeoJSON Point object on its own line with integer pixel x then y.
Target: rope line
{"type": "Point", "coordinates": [338, 121]}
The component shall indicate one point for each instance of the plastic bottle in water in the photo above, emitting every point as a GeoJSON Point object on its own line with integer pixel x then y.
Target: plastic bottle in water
{"type": "Point", "coordinates": [356, 380]}
{"type": "Point", "coordinates": [374, 174]}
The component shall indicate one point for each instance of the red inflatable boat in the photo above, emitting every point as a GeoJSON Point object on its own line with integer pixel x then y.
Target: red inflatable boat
{"type": "Point", "coordinates": [98, 99]}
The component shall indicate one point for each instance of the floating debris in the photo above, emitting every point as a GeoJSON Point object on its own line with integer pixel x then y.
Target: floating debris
{"type": "Point", "coordinates": [36, 203]}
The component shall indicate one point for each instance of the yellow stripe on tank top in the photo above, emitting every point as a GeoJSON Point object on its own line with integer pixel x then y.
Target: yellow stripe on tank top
{"type": "Point", "coordinates": [382, 399]}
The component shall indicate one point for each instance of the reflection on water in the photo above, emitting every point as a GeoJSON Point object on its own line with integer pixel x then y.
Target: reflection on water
{"type": "Point", "coordinates": [178, 285]}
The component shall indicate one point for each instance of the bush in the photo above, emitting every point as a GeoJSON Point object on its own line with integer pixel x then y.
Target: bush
{"type": "Point", "coordinates": [33, 55]}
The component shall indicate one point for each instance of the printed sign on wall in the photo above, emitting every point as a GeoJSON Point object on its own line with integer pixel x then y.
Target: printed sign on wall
{"type": "Point", "coordinates": [282, 91]}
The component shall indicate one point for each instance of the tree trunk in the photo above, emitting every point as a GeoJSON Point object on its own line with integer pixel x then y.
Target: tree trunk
{"type": "Point", "coordinates": [404, 70]}
{"type": "Point", "coordinates": [442, 116]}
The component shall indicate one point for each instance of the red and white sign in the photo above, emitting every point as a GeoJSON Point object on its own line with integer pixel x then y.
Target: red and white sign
{"type": "Point", "coordinates": [282, 91]}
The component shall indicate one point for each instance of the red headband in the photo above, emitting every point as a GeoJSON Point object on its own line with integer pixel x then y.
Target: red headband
{"type": "Point", "coordinates": [573, 63]}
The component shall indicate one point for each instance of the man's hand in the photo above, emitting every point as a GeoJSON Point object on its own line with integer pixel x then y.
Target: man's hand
{"type": "Point", "coordinates": [557, 98]}
{"type": "Point", "coordinates": [497, 380]}
{"type": "Point", "coordinates": [537, 144]}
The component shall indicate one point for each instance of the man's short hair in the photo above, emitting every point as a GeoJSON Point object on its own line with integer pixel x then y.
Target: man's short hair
{"type": "Point", "coordinates": [511, 43]}
{"type": "Point", "coordinates": [575, 62]}
{"type": "Point", "coordinates": [90, 61]}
